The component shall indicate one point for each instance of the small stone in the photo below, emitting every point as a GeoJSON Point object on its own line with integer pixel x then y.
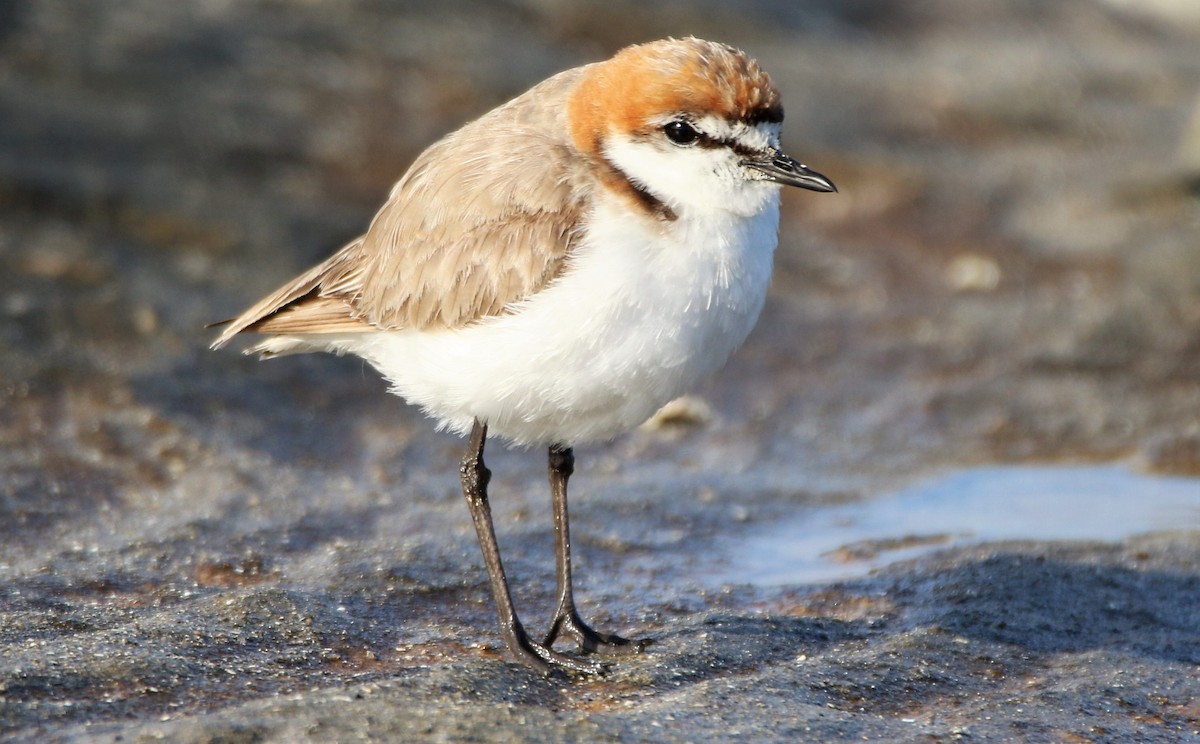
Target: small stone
{"type": "Point", "coordinates": [972, 272]}
{"type": "Point", "coordinates": [686, 410]}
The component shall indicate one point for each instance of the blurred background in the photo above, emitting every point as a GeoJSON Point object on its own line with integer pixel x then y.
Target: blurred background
{"type": "Point", "coordinates": [1010, 274]}
{"type": "Point", "coordinates": [1013, 256]}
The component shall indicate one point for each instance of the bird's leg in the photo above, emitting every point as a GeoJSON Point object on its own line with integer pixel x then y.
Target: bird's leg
{"type": "Point", "coordinates": [475, 476]}
{"type": "Point", "coordinates": [566, 617]}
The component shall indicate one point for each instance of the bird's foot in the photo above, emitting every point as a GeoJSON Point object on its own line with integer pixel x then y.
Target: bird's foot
{"type": "Point", "coordinates": [546, 660]}
{"type": "Point", "coordinates": [567, 621]}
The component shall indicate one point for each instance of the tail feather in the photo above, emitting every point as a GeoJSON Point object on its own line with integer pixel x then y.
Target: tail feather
{"type": "Point", "coordinates": [277, 346]}
{"type": "Point", "coordinates": [302, 305]}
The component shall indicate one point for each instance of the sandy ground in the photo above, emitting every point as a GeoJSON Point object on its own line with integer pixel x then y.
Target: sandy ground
{"type": "Point", "coordinates": [198, 547]}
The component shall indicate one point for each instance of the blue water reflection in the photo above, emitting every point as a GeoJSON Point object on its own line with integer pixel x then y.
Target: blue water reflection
{"type": "Point", "coordinates": [1104, 503]}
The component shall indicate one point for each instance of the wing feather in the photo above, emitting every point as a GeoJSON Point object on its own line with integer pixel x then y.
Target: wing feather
{"type": "Point", "coordinates": [483, 219]}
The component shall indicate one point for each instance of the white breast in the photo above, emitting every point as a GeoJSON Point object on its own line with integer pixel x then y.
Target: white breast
{"type": "Point", "coordinates": [640, 316]}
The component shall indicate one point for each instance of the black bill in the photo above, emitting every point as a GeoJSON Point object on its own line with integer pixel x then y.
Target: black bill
{"type": "Point", "coordinates": [789, 172]}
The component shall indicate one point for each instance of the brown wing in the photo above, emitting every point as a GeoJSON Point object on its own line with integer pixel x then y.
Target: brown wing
{"type": "Point", "coordinates": [484, 218]}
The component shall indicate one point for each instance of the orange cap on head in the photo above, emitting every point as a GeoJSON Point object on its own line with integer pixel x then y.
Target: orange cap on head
{"type": "Point", "coordinates": [673, 76]}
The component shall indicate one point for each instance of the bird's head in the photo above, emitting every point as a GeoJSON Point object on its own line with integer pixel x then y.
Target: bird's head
{"type": "Point", "coordinates": [687, 125]}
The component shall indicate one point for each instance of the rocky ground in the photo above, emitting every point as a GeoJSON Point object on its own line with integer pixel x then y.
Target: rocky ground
{"type": "Point", "coordinates": [198, 547]}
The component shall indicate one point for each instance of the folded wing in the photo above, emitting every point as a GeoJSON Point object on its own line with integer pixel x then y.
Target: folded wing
{"type": "Point", "coordinates": [485, 218]}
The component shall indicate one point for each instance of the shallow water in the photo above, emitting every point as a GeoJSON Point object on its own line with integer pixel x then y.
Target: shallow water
{"type": "Point", "coordinates": [1097, 503]}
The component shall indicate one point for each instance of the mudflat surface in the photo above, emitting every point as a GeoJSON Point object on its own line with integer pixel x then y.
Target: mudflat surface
{"type": "Point", "coordinates": [198, 547]}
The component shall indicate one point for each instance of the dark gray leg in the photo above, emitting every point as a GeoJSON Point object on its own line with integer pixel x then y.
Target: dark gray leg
{"type": "Point", "coordinates": [566, 618]}
{"type": "Point", "coordinates": [475, 477]}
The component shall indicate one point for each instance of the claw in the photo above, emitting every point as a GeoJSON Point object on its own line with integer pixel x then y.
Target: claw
{"type": "Point", "coordinates": [546, 660]}
{"type": "Point", "coordinates": [591, 641]}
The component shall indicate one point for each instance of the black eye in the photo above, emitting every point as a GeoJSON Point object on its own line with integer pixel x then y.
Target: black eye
{"type": "Point", "coordinates": [681, 133]}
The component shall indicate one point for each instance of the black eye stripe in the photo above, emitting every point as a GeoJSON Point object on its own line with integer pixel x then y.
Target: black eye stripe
{"type": "Point", "coordinates": [702, 139]}
{"type": "Point", "coordinates": [712, 143]}
{"type": "Point", "coordinates": [709, 142]}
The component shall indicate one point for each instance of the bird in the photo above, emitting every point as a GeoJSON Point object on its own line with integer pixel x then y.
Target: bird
{"type": "Point", "coordinates": [555, 271]}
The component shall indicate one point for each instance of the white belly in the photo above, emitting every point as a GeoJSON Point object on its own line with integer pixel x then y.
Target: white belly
{"type": "Point", "coordinates": [636, 320]}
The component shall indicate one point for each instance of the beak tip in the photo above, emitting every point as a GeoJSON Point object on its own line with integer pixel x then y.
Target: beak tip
{"type": "Point", "coordinates": [790, 172]}
{"type": "Point", "coordinates": [813, 181]}
{"type": "Point", "coordinates": [816, 182]}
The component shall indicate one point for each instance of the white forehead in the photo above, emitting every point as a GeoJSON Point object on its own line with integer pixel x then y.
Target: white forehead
{"type": "Point", "coordinates": [757, 136]}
